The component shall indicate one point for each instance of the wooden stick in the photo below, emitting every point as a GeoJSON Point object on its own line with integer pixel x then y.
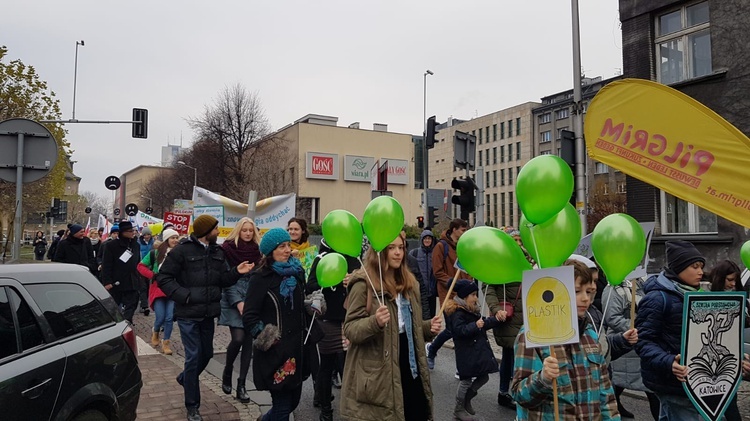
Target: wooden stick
{"type": "Point", "coordinates": [450, 290]}
{"type": "Point", "coordinates": [555, 403]}
{"type": "Point", "coordinates": [632, 304]}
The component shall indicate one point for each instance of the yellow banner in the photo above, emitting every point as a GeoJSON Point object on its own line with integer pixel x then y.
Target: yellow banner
{"type": "Point", "coordinates": [667, 139]}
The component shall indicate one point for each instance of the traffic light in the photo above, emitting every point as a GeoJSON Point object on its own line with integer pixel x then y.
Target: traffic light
{"type": "Point", "coordinates": [432, 217]}
{"type": "Point", "coordinates": [420, 221]}
{"type": "Point", "coordinates": [431, 132]}
{"type": "Point", "coordinates": [568, 147]}
{"type": "Point", "coordinates": [55, 209]}
{"type": "Point", "coordinates": [140, 123]}
{"type": "Point", "coordinates": [466, 199]}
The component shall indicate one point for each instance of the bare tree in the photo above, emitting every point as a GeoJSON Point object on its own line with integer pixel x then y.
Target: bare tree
{"type": "Point", "coordinates": [168, 184]}
{"type": "Point", "coordinates": [234, 122]}
{"type": "Point", "coordinates": [605, 200]}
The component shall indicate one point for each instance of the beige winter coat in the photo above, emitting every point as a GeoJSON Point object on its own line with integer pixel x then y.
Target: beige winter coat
{"type": "Point", "coordinates": [372, 378]}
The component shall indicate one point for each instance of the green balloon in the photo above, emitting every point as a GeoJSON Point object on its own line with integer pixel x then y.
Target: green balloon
{"type": "Point", "coordinates": [619, 244]}
{"type": "Point", "coordinates": [382, 221]}
{"type": "Point", "coordinates": [491, 256]}
{"type": "Point", "coordinates": [543, 187]}
{"type": "Point", "coordinates": [343, 232]}
{"type": "Point", "coordinates": [552, 241]}
{"type": "Point", "coordinates": [745, 254]}
{"type": "Point", "coordinates": [331, 270]}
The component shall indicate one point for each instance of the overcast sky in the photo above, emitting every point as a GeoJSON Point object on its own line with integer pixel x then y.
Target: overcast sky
{"type": "Point", "coordinates": [359, 61]}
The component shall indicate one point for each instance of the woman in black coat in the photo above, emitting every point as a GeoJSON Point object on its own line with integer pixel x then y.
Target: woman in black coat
{"type": "Point", "coordinates": [40, 245]}
{"type": "Point", "coordinates": [274, 314]}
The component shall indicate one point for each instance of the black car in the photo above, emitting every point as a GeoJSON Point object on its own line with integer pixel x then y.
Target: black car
{"type": "Point", "coordinates": [66, 353]}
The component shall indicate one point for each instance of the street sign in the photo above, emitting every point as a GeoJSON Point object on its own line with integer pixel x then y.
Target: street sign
{"type": "Point", "coordinates": [149, 210]}
{"type": "Point", "coordinates": [87, 210]}
{"type": "Point", "coordinates": [112, 182]}
{"type": "Point", "coordinates": [131, 209]}
{"type": "Point", "coordinates": [39, 150]}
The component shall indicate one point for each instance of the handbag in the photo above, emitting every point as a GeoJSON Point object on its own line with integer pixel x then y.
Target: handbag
{"type": "Point", "coordinates": [509, 307]}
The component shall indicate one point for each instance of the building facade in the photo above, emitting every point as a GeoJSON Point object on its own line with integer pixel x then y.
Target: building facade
{"type": "Point", "coordinates": [132, 185]}
{"type": "Point", "coordinates": [702, 49]}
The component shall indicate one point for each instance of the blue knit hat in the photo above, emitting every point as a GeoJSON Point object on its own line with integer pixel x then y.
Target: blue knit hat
{"type": "Point", "coordinates": [75, 228]}
{"type": "Point", "coordinates": [272, 238]}
{"type": "Point", "coordinates": [464, 287]}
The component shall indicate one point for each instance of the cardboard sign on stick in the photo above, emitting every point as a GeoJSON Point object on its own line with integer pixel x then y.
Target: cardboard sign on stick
{"type": "Point", "coordinates": [549, 301]}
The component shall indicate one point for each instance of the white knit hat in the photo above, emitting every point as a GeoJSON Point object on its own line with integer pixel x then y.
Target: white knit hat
{"type": "Point", "coordinates": [169, 233]}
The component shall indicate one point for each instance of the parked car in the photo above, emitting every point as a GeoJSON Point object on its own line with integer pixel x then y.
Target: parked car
{"type": "Point", "coordinates": [66, 353]}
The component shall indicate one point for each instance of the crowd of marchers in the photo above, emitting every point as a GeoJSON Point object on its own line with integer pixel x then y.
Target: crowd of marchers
{"type": "Point", "coordinates": [376, 335]}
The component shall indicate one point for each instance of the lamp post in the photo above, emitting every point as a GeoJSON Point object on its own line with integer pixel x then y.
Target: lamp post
{"type": "Point", "coordinates": [150, 201]}
{"type": "Point", "coordinates": [195, 172]}
{"type": "Point", "coordinates": [425, 172]}
{"type": "Point", "coordinates": [75, 77]}
{"type": "Point", "coordinates": [580, 157]}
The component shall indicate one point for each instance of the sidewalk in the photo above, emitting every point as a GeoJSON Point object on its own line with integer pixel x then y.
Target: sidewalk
{"type": "Point", "coordinates": [161, 396]}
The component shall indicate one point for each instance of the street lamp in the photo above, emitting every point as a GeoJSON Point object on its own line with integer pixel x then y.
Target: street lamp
{"type": "Point", "coordinates": [75, 77]}
{"type": "Point", "coordinates": [195, 172]}
{"type": "Point", "coordinates": [425, 172]}
{"type": "Point", "coordinates": [150, 201]}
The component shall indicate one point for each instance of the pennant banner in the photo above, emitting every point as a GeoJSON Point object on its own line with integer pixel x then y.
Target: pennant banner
{"type": "Point", "coordinates": [669, 140]}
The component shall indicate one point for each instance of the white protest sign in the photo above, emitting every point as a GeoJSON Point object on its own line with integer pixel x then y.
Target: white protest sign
{"type": "Point", "coordinates": [549, 301]}
{"type": "Point", "coordinates": [215, 211]}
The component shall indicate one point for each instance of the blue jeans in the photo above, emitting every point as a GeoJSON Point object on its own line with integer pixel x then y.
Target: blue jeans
{"type": "Point", "coordinates": [164, 312]}
{"type": "Point", "coordinates": [677, 408]}
{"type": "Point", "coordinates": [438, 342]}
{"type": "Point", "coordinates": [198, 340]}
{"type": "Point", "coordinates": [506, 369]}
{"type": "Point", "coordinates": [283, 404]}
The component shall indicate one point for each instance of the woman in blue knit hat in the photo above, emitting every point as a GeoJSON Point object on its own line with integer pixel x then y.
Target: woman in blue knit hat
{"type": "Point", "coordinates": [274, 314]}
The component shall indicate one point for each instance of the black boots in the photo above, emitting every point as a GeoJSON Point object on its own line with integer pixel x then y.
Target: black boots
{"type": "Point", "coordinates": [226, 382]}
{"type": "Point", "coordinates": [242, 395]}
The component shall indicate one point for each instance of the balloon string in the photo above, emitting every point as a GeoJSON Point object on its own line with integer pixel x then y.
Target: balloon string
{"type": "Point", "coordinates": [377, 297]}
{"type": "Point", "coordinates": [601, 324]}
{"type": "Point", "coordinates": [484, 299]}
{"type": "Point", "coordinates": [536, 251]}
{"type": "Point", "coordinates": [310, 329]}
{"type": "Point", "coordinates": [382, 284]}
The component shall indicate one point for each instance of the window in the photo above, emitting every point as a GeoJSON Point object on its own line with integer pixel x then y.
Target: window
{"type": "Point", "coordinates": [621, 188]}
{"type": "Point", "coordinates": [518, 171]}
{"type": "Point", "coordinates": [480, 136]}
{"type": "Point", "coordinates": [480, 157]}
{"type": "Point", "coordinates": [16, 319]}
{"type": "Point", "coordinates": [510, 128]}
{"type": "Point", "coordinates": [502, 153]}
{"type": "Point", "coordinates": [559, 132]}
{"type": "Point", "coordinates": [494, 206]}
{"type": "Point", "coordinates": [545, 152]}
{"type": "Point", "coordinates": [487, 157]}
{"type": "Point", "coordinates": [486, 179]}
{"type": "Point", "coordinates": [494, 132]}
{"type": "Point", "coordinates": [502, 177]}
{"type": "Point", "coordinates": [487, 134]}
{"type": "Point", "coordinates": [494, 155]}
{"type": "Point", "coordinates": [502, 209]}
{"type": "Point", "coordinates": [605, 189]}
{"type": "Point", "coordinates": [518, 151]}
{"type": "Point", "coordinates": [564, 113]}
{"type": "Point", "coordinates": [510, 176]}
{"type": "Point", "coordinates": [510, 152]}
{"type": "Point", "coordinates": [683, 44]}
{"type": "Point", "coordinates": [511, 220]}
{"type": "Point", "coordinates": [545, 118]}
{"type": "Point", "coordinates": [518, 126]}
{"type": "Point", "coordinates": [494, 178]}
{"type": "Point", "coordinates": [545, 136]}
{"type": "Point", "coordinates": [69, 308]}
{"type": "Point", "coordinates": [600, 168]}
{"type": "Point", "coordinates": [487, 197]}
{"type": "Point", "coordinates": [502, 130]}
{"type": "Point", "coordinates": [679, 216]}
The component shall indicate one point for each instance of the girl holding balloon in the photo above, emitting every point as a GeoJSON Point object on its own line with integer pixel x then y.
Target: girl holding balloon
{"type": "Point", "coordinates": [386, 375]}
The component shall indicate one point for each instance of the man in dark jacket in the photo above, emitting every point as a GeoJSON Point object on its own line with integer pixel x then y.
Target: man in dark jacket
{"type": "Point", "coordinates": [192, 276]}
{"type": "Point", "coordinates": [423, 254]}
{"type": "Point", "coordinates": [76, 249]}
{"type": "Point", "coordinates": [53, 247]}
{"type": "Point", "coordinates": [119, 273]}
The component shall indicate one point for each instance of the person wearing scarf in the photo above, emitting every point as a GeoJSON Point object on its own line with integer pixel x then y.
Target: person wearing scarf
{"type": "Point", "coordinates": [241, 245]}
{"type": "Point", "coordinates": [274, 315]}
{"type": "Point", "coordinates": [659, 325]}
{"type": "Point", "coordinates": [301, 248]}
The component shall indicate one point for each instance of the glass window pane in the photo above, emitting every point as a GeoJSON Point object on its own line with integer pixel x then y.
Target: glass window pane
{"type": "Point", "coordinates": [31, 334]}
{"type": "Point", "coordinates": [671, 22]}
{"type": "Point", "coordinates": [677, 214]}
{"type": "Point", "coordinates": [8, 342]}
{"type": "Point", "coordinates": [706, 220]}
{"type": "Point", "coordinates": [672, 59]}
{"type": "Point", "coordinates": [697, 14]}
{"type": "Point", "coordinates": [69, 308]}
{"type": "Point", "coordinates": [700, 53]}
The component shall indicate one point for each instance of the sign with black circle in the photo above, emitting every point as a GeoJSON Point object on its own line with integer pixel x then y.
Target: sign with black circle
{"type": "Point", "coordinates": [149, 210]}
{"type": "Point", "coordinates": [117, 211]}
{"type": "Point", "coordinates": [87, 210]}
{"type": "Point", "coordinates": [112, 182]}
{"type": "Point", "coordinates": [131, 209]}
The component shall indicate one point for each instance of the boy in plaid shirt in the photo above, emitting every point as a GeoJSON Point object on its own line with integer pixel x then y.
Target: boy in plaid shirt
{"type": "Point", "coordinates": [584, 390]}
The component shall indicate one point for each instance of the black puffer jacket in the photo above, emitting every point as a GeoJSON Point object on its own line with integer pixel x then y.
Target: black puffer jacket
{"type": "Point", "coordinates": [335, 296]}
{"type": "Point", "coordinates": [121, 275]}
{"type": "Point", "coordinates": [193, 275]}
{"type": "Point", "coordinates": [77, 251]}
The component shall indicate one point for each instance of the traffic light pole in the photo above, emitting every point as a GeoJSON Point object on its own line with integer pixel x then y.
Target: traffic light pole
{"type": "Point", "coordinates": [580, 174]}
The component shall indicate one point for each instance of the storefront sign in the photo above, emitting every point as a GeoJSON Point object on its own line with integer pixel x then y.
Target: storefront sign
{"type": "Point", "coordinates": [398, 171]}
{"type": "Point", "coordinates": [357, 168]}
{"type": "Point", "coordinates": [322, 166]}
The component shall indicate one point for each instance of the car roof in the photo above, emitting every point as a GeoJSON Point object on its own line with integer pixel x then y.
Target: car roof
{"type": "Point", "coordinates": [33, 273]}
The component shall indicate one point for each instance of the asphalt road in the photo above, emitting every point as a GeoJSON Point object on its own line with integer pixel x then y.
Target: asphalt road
{"type": "Point", "coordinates": [444, 386]}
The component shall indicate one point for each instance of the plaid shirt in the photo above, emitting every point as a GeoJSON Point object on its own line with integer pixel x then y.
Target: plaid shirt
{"type": "Point", "coordinates": [584, 390]}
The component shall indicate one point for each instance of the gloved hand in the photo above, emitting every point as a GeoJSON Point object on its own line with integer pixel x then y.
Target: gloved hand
{"type": "Point", "coordinates": [315, 303]}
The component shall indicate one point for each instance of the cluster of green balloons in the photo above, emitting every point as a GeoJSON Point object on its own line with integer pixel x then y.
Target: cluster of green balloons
{"type": "Point", "coordinates": [553, 241]}
{"type": "Point", "coordinates": [619, 244]}
{"type": "Point", "coordinates": [491, 256]}
{"type": "Point", "coordinates": [382, 221]}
